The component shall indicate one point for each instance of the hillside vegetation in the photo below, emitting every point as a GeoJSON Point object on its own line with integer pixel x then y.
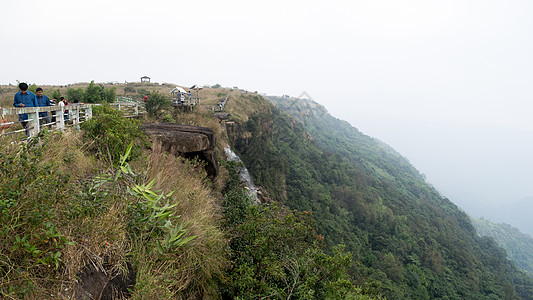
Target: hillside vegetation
{"type": "Point", "coordinates": [410, 241]}
{"type": "Point", "coordinates": [519, 246]}
{"type": "Point", "coordinates": [104, 212]}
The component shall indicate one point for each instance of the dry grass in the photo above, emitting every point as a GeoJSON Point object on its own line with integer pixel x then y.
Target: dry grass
{"type": "Point", "coordinates": [101, 242]}
{"type": "Point", "coordinates": [103, 238]}
{"type": "Point", "coordinates": [66, 151]}
{"type": "Point", "coordinates": [99, 239]}
{"type": "Point", "coordinates": [190, 274]}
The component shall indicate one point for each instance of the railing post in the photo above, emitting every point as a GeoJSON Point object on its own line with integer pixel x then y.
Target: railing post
{"type": "Point", "coordinates": [60, 118]}
{"type": "Point", "coordinates": [88, 112]}
{"type": "Point", "coordinates": [34, 123]}
{"type": "Point", "coordinates": [136, 109]}
{"type": "Point", "coordinates": [75, 117]}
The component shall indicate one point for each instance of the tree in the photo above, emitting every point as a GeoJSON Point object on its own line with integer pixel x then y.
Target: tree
{"type": "Point", "coordinates": [109, 95]}
{"type": "Point", "coordinates": [56, 93]}
{"type": "Point", "coordinates": [93, 93]}
{"type": "Point", "coordinates": [75, 95]}
{"type": "Point", "coordinates": [157, 103]}
{"type": "Point", "coordinates": [129, 90]}
{"type": "Point", "coordinates": [98, 94]}
{"type": "Point", "coordinates": [143, 92]}
{"type": "Point", "coordinates": [32, 88]}
{"type": "Point", "coordinates": [216, 86]}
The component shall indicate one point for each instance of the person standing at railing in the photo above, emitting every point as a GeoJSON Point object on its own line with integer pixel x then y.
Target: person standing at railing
{"type": "Point", "coordinates": [24, 98]}
{"type": "Point", "coordinates": [43, 100]}
{"type": "Point", "coordinates": [63, 102]}
{"type": "Point", "coordinates": [53, 102]}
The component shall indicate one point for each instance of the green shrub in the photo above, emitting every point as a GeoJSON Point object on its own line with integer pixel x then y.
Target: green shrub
{"type": "Point", "coordinates": [98, 94]}
{"type": "Point", "coordinates": [168, 119]}
{"type": "Point", "coordinates": [142, 92]}
{"type": "Point", "coordinates": [109, 134]}
{"type": "Point", "coordinates": [156, 104]}
{"type": "Point", "coordinates": [31, 244]}
{"type": "Point", "coordinates": [276, 254]}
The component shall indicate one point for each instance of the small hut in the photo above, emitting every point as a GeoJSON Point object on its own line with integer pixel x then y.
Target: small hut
{"type": "Point", "coordinates": [145, 79]}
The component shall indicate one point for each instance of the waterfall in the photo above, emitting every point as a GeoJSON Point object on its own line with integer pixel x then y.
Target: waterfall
{"type": "Point", "coordinates": [244, 175]}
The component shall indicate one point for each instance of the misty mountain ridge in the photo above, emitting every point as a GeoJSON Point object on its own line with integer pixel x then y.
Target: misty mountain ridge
{"type": "Point", "coordinates": [516, 213]}
{"type": "Point", "coordinates": [364, 194]}
{"type": "Point", "coordinates": [483, 169]}
{"type": "Point", "coordinates": [519, 246]}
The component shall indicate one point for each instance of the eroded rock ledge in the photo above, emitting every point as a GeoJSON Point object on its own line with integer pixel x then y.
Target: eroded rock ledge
{"type": "Point", "coordinates": [186, 141]}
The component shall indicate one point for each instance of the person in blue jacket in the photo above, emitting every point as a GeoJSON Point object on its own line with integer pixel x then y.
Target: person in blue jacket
{"type": "Point", "coordinates": [24, 98]}
{"type": "Point", "coordinates": [43, 100]}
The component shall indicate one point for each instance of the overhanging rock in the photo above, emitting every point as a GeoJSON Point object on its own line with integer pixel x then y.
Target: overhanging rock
{"type": "Point", "coordinates": [186, 141]}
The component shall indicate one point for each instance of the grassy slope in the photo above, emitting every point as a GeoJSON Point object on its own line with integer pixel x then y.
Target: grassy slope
{"type": "Point", "coordinates": [59, 191]}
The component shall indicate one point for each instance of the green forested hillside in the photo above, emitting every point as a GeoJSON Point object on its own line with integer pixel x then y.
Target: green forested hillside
{"type": "Point", "coordinates": [103, 213]}
{"type": "Point", "coordinates": [519, 246]}
{"type": "Point", "coordinates": [410, 242]}
{"type": "Point", "coordinates": [343, 216]}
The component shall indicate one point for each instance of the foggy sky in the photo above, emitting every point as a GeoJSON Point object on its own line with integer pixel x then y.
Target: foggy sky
{"type": "Point", "coordinates": [434, 79]}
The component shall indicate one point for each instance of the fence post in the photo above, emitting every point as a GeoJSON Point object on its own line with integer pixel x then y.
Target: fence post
{"type": "Point", "coordinates": [75, 117]}
{"type": "Point", "coordinates": [34, 123]}
{"type": "Point", "coordinates": [60, 118]}
{"type": "Point", "coordinates": [88, 112]}
{"type": "Point", "coordinates": [136, 109]}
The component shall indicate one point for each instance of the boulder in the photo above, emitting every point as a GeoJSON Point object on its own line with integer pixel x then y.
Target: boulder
{"type": "Point", "coordinates": [186, 141]}
{"type": "Point", "coordinates": [222, 116]}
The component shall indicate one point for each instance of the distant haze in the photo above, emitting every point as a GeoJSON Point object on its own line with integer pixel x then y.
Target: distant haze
{"type": "Point", "coordinates": [447, 83]}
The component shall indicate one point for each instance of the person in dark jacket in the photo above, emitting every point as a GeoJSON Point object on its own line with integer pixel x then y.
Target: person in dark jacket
{"type": "Point", "coordinates": [43, 100]}
{"type": "Point", "coordinates": [24, 98]}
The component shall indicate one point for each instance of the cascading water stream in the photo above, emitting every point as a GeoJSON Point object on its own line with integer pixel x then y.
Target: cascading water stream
{"type": "Point", "coordinates": [244, 175]}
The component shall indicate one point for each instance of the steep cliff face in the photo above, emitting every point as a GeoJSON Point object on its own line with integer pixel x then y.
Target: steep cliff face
{"type": "Point", "coordinates": [411, 242]}
{"type": "Point", "coordinates": [250, 139]}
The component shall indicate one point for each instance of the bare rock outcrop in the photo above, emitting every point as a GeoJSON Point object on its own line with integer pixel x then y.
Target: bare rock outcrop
{"type": "Point", "coordinates": [186, 141]}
